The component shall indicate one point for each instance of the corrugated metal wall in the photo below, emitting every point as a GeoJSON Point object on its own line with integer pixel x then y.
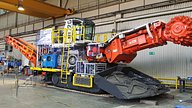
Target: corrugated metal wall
{"type": "Point", "coordinates": [168, 61]}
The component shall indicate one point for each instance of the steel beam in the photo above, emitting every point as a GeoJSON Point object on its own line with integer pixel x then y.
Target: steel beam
{"type": "Point", "coordinates": [41, 7]}
{"type": "Point", "coordinates": [13, 8]}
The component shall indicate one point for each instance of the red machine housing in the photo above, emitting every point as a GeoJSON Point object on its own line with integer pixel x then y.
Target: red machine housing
{"type": "Point", "coordinates": [124, 46]}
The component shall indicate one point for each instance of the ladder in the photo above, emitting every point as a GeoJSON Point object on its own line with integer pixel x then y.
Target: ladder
{"type": "Point", "coordinates": [67, 40]}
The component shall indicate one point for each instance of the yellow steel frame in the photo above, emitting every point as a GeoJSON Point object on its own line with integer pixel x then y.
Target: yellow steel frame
{"type": "Point", "coordinates": [82, 85]}
{"type": "Point", "coordinates": [68, 39]}
{"type": "Point", "coordinates": [45, 69]}
{"type": "Point", "coordinates": [75, 33]}
{"type": "Point", "coordinates": [53, 37]}
{"type": "Point", "coordinates": [65, 38]}
{"type": "Point", "coordinates": [169, 79]}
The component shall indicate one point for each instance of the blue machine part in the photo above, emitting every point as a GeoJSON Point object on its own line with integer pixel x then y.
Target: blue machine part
{"type": "Point", "coordinates": [10, 64]}
{"type": "Point", "coordinates": [189, 78]}
{"type": "Point", "coordinates": [50, 61]}
{"type": "Point", "coordinates": [182, 106]}
{"type": "Point", "coordinates": [1, 58]}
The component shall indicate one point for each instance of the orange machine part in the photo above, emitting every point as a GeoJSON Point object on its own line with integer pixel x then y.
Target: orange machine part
{"type": "Point", "coordinates": [28, 44]}
{"type": "Point", "coordinates": [179, 30]}
{"type": "Point", "coordinates": [124, 49]}
{"type": "Point", "coordinates": [29, 51]}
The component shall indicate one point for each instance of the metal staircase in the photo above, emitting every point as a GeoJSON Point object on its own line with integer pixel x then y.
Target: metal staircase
{"type": "Point", "coordinates": [67, 40]}
{"type": "Point", "coordinates": [28, 50]}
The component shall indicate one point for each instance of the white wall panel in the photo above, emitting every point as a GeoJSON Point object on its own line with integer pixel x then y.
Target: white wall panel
{"type": "Point", "coordinates": [71, 4]}
{"type": "Point", "coordinates": [14, 31]}
{"type": "Point", "coordinates": [1, 25]}
{"type": "Point", "coordinates": [60, 20]}
{"type": "Point", "coordinates": [134, 22]}
{"type": "Point", "coordinates": [109, 9]}
{"type": "Point", "coordinates": [47, 23]}
{"type": "Point", "coordinates": [38, 25]}
{"type": "Point", "coordinates": [30, 39]}
{"type": "Point", "coordinates": [2, 34]}
{"type": "Point", "coordinates": [53, 2]}
{"type": "Point", "coordinates": [131, 4]}
{"type": "Point", "coordinates": [21, 29]}
{"type": "Point", "coordinates": [3, 21]}
{"type": "Point", "coordinates": [11, 19]}
{"type": "Point", "coordinates": [25, 61]}
{"type": "Point", "coordinates": [84, 3]}
{"type": "Point", "coordinates": [169, 61]}
{"type": "Point", "coordinates": [159, 10]}
{"type": "Point", "coordinates": [31, 18]}
{"type": "Point", "coordinates": [90, 13]}
{"type": "Point", "coordinates": [103, 20]}
{"type": "Point", "coordinates": [7, 32]}
{"type": "Point", "coordinates": [16, 54]}
{"type": "Point", "coordinates": [29, 27]}
{"type": "Point", "coordinates": [22, 19]}
{"type": "Point", "coordinates": [103, 29]}
{"type": "Point", "coordinates": [87, 3]}
{"type": "Point", "coordinates": [153, 1]}
{"type": "Point", "coordinates": [75, 15]}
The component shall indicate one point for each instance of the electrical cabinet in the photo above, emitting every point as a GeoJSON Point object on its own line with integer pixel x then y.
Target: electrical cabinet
{"type": "Point", "coordinates": [50, 61]}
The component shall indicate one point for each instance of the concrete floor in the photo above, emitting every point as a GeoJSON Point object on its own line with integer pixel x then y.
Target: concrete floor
{"type": "Point", "coordinates": [43, 97]}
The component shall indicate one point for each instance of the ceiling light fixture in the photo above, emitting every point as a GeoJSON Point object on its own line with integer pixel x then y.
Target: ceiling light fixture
{"type": "Point", "coordinates": [20, 6]}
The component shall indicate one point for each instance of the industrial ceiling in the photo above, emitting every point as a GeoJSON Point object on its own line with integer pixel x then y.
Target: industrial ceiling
{"type": "Point", "coordinates": [36, 8]}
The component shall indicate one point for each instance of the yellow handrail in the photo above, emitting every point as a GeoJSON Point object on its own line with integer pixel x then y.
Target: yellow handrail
{"type": "Point", "coordinates": [66, 39]}
{"type": "Point", "coordinates": [176, 84]}
{"type": "Point", "coordinates": [62, 60]}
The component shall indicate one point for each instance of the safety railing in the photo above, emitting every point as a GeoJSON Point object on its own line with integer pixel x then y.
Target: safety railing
{"type": "Point", "coordinates": [78, 33]}
{"type": "Point", "coordinates": [68, 35]}
{"type": "Point", "coordinates": [169, 81]}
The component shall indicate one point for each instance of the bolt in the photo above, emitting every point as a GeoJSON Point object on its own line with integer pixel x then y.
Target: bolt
{"type": "Point", "coordinates": [167, 32]}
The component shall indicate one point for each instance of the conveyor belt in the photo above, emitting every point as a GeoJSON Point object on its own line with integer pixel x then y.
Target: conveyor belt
{"type": "Point", "coordinates": [29, 51]}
